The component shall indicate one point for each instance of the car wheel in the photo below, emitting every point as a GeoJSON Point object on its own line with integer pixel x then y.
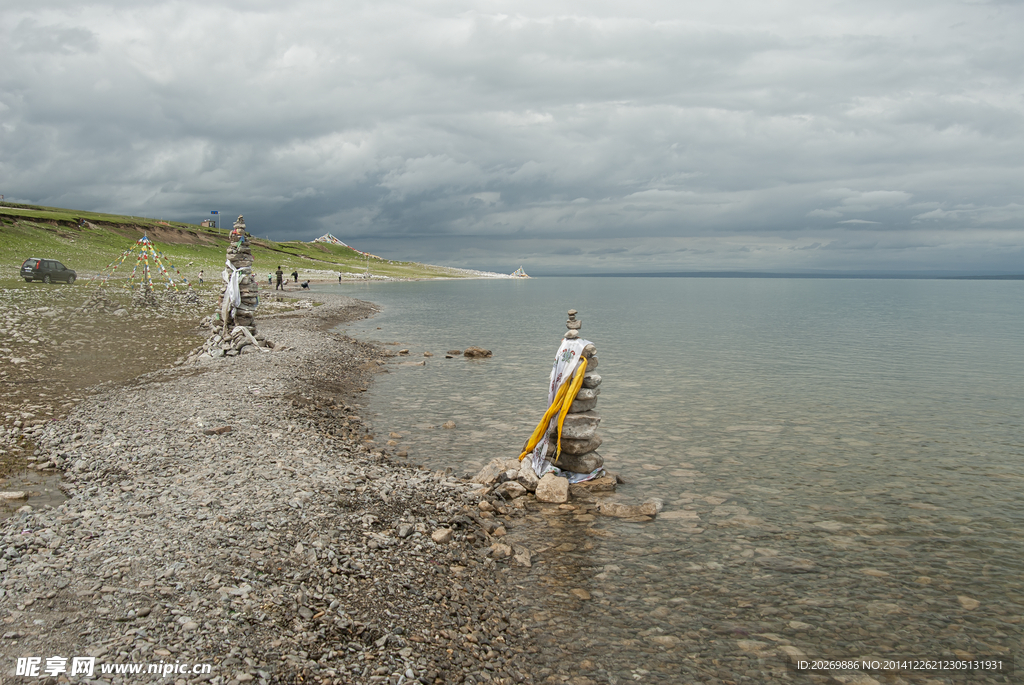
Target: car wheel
{"type": "Point", "coordinates": [71, 279]}
{"type": "Point", "coordinates": [46, 278]}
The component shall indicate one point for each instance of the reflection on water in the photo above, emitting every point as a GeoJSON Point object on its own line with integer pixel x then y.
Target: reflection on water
{"type": "Point", "coordinates": [840, 463]}
{"type": "Point", "coordinates": [37, 490]}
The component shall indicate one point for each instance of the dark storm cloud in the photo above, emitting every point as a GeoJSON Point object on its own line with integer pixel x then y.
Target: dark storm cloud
{"type": "Point", "coordinates": [622, 136]}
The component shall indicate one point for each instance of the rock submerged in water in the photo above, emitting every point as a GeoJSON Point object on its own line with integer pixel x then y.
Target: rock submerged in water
{"type": "Point", "coordinates": [604, 483]}
{"type": "Point", "coordinates": [476, 353]}
{"type": "Point", "coordinates": [553, 489]}
{"type": "Point", "coordinates": [788, 564]}
{"type": "Point", "coordinates": [649, 508]}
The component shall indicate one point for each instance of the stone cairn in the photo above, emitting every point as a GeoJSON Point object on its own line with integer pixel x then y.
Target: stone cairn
{"type": "Point", "coordinates": [239, 255]}
{"type": "Point", "coordinates": [580, 439]}
{"type": "Point", "coordinates": [510, 479]}
{"type": "Point", "coordinates": [97, 302]}
{"type": "Point", "coordinates": [233, 328]}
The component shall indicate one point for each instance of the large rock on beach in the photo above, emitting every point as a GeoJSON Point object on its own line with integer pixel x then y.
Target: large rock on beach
{"type": "Point", "coordinates": [493, 470]}
{"type": "Point", "coordinates": [527, 477]}
{"type": "Point", "coordinates": [582, 463]}
{"type": "Point", "coordinates": [552, 488]}
{"type": "Point", "coordinates": [510, 489]}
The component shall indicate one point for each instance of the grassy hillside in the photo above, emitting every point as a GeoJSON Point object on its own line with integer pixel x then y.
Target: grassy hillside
{"type": "Point", "coordinates": [87, 242]}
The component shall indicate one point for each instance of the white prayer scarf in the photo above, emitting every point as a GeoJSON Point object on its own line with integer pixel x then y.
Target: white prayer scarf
{"type": "Point", "coordinates": [233, 291]}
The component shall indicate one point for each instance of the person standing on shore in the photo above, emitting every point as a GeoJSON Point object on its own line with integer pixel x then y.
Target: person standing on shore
{"type": "Point", "coordinates": [295, 275]}
{"type": "Point", "coordinates": [200, 277]}
{"type": "Point", "coordinates": [280, 279]}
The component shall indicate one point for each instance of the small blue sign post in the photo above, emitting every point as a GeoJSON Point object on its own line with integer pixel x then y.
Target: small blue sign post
{"type": "Point", "coordinates": [217, 214]}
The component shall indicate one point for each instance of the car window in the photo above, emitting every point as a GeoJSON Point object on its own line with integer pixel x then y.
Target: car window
{"type": "Point", "coordinates": [59, 267]}
{"type": "Point", "coordinates": [28, 262]}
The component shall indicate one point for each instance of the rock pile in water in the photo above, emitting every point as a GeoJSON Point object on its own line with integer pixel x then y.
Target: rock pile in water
{"type": "Point", "coordinates": [511, 479]}
{"type": "Point", "coordinates": [580, 438]}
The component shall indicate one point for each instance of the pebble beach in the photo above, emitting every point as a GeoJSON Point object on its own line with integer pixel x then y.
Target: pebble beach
{"type": "Point", "coordinates": [234, 516]}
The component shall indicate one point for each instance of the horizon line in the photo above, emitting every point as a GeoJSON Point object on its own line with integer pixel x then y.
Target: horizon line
{"type": "Point", "coordinates": [900, 275]}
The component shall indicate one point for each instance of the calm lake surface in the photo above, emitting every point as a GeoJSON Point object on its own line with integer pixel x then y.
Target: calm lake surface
{"type": "Point", "coordinates": [841, 463]}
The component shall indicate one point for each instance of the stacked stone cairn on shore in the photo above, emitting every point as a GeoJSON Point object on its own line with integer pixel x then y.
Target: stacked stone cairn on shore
{"type": "Point", "coordinates": [239, 255]}
{"type": "Point", "coordinates": [580, 441]}
{"type": "Point", "coordinates": [511, 479]}
{"type": "Point", "coordinates": [97, 303]}
{"type": "Point", "coordinates": [580, 438]}
{"type": "Point", "coordinates": [143, 296]}
{"type": "Point", "coordinates": [233, 328]}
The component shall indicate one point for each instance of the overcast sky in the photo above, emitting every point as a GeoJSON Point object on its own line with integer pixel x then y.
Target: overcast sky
{"type": "Point", "coordinates": [566, 137]}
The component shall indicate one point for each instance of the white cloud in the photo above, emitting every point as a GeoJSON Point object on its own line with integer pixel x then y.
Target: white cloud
{"type": "Point", "coordinates": [1012, 212]}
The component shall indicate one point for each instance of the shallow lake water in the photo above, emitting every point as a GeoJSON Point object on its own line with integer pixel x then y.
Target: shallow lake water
{"type": "Point", "coordinates": [841, 463]}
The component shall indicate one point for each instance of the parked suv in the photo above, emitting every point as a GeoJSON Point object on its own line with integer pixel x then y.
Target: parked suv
{"type": "Point", "coordinates": [46, 270]}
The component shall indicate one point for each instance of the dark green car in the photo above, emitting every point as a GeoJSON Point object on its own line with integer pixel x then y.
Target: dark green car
{"type": "Point", "coordinates": [46, 270]}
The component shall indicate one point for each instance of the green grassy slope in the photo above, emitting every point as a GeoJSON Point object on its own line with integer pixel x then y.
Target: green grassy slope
{"type": "Point", "coordinates": [48, 232]}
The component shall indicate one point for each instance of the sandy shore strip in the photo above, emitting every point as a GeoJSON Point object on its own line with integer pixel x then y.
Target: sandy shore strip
{"type": "Point", "coordinates": [230, 515]}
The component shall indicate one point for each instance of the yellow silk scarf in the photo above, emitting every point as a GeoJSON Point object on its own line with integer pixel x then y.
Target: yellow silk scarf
{"type": "Point", "coordinates": [560, 405]}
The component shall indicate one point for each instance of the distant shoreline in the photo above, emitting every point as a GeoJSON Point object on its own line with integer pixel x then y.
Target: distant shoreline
{"type": "Point", "coordinates": [700, 274]}
{"type": "Point", "coordinates": [757, 274]}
